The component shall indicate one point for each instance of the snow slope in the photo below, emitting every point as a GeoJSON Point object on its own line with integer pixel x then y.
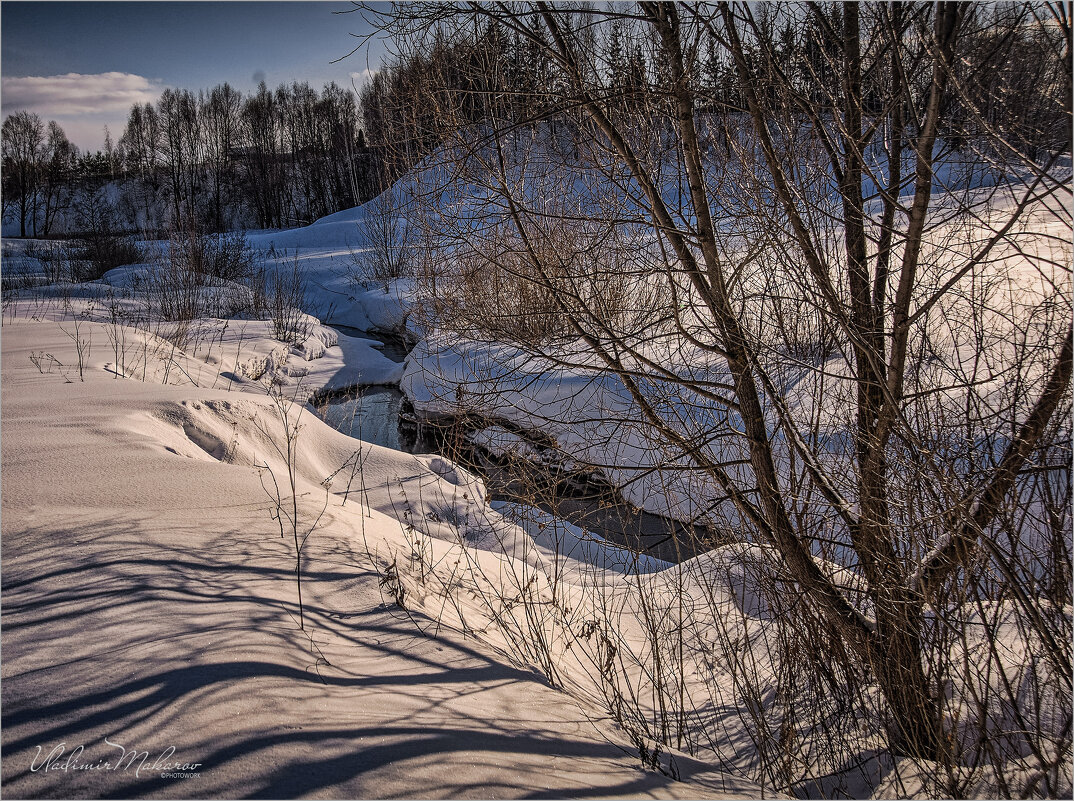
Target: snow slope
{"type": "Point", "coordinates": [148, 593]}
{"type": "Point", "coordinates": [149, 604]}
{"type": "Point", "coordinates": [563, 390]}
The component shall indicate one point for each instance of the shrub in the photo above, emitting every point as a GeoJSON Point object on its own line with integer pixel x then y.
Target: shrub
{"type": "Point", "coordinates": [225, 256]}
{"type": "Point", "coordinates": [177, 291]}
{"type": "Point", "coordinates": [389, 239]}
{"type": "Point", "coordinates": [196, 275]}
{"type": "Point", "coordinates": [102, 251]}
{"type": "Point", "coordinates": [286, 299]}
{"type": "Point", "coordinates": [102, 246]}
{"type": "Point", "coordinates": [503, 290]}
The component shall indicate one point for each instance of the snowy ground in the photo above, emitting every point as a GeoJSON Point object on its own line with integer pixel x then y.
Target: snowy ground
{"type": "Point", "coordinates": [149, 598]}
{"type": "Point", "coordinates": [149, 603]}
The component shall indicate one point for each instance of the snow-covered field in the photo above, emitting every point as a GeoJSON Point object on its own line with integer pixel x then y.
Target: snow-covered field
{"type": "Point", "coordinates": [149, 601]}
{"type": "Point", "coordinates": [156, 475]}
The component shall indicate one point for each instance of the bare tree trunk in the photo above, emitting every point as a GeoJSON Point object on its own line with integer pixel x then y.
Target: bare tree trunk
{"type": "Point", "coordinates": [811, 160]}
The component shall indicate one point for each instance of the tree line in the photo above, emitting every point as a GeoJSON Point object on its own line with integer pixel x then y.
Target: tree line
{"type": "Point", "coordinates": [39, 166]}
{"type": "Point", "coordinates": [214, 160]}
{"type": "Point", "coordinates": [1007, 75]}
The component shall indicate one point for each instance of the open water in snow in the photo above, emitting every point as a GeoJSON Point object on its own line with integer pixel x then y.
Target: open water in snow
{"type": "Point", "coordinates": [381, 415]}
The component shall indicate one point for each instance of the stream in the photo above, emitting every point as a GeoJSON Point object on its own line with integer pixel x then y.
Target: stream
{"type": "Point", "coordinates": [383, 415]}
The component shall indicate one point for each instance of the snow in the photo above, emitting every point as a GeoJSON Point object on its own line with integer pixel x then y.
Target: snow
{"type": "Point", "coordinates": [569, 395]}
{"type": "Point", "coordinates": [382, 309]}
{"type": "Point", "coordinates": [149, 601]}
{"type": "Point", "coordinates": [149, 595]}
{"type": "Point", "coordinates": [135, 509]}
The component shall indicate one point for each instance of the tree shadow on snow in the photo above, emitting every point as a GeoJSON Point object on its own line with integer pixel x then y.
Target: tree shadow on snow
{"type": "Point", "coordinates": [191, 640]}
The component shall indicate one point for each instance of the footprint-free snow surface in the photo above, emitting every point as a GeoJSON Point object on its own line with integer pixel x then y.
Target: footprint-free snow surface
{"type": "Point", "coordinates": [151, 632]}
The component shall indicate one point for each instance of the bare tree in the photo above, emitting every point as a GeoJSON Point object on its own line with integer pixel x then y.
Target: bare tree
{"type": "Point", "coordinates": [220, 112]}
{"type": "Point", "coordinates": [23, 138]}
{"type": "Point", "coordinates": [841, 233]}
{"type": "Point", "coordinates": [263, 173]}
{"type": "Point", "coordinates": [59, 156]}
{"type": "Point", "coordinates": [141, 142]}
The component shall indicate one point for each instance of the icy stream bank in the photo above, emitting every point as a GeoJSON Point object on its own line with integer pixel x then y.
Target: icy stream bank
{"type": "Point", "coordinates": [383, 415]}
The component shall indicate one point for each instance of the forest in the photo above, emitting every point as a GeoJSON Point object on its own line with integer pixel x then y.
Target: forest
{"type": "Point", "coordinates": [217, 160]}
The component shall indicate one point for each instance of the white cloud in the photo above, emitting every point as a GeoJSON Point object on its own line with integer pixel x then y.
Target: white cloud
{"type": "Point", "coordinates": [75, 93]}
{"type": "Point", "coordinates": [359, 79]}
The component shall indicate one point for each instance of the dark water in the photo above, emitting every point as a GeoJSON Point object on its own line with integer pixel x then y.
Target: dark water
{"type": "Point", "coordinates": [578, 496]}
{"type": "Point", "coordinates": [367, 413]}
{"type": "Point", "coordinates": [382, 415]}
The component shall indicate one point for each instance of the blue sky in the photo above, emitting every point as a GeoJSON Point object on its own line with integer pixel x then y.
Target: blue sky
{"type": "Point", "coordinates": [84, 63]}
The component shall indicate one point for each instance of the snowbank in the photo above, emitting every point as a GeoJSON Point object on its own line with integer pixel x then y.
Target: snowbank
{"type": "Point", "coordinates": [150, 604]}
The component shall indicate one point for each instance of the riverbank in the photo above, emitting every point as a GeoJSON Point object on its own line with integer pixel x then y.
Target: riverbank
{"type": "Point", "coordinates": [149, 602]}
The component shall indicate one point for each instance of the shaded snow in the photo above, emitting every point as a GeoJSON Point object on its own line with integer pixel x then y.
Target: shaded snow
{"type": "Point", "coordinates": [148, 599]}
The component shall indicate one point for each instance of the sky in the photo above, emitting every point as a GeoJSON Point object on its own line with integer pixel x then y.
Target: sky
{"type": "Point", "coordinates": [84, 63]}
